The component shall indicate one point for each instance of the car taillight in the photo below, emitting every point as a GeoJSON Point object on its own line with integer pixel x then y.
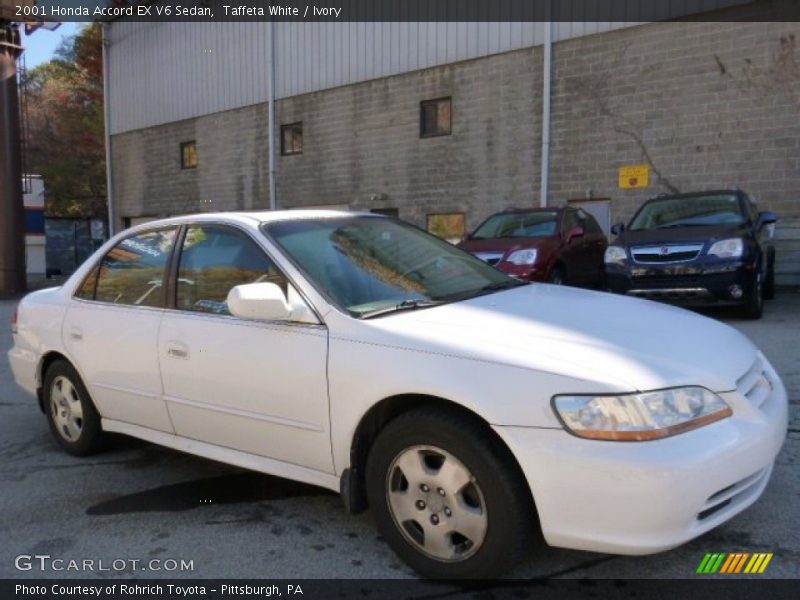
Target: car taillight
{"type": "Point", "coordinates": [14, 319]}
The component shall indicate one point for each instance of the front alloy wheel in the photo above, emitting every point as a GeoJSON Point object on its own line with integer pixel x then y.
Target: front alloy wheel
{"type": "Point", "coordinates": [753, 306]}
{"type": "Point", "coordinates": [447, 495]}
{"type": "Point", "coordinates": [436, 503]}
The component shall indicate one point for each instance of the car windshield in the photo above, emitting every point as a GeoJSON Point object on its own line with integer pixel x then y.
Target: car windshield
{"type": "Point", "coordinates": [691, 211]}
{"type": "Point", "coordinates": [374, 265]}
{"type": "Point", "coordinates": [517, 225]}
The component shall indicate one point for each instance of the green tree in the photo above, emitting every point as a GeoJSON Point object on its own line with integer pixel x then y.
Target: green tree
{"type": "Point", "coordinates": [65, 141]}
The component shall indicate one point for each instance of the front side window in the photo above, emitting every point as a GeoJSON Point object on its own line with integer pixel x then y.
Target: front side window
{"type": "Point", "coordinates": [569, 221]}
{"type": "Point", "coordinates": [689, 211]}
{"type": "Point", "coordinates": [590, 224]}
{"type": "Point", "coordinates": [518, 225]}
{"type": "Point", "coordinates": [215, 259]}
{"type": "Point", "coordinates": [133, 270]}
{"type": "Point", "coordinates": [368, 265]}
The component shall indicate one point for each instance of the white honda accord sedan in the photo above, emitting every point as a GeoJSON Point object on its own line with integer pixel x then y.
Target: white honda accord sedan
{"type": "Point", "coordinates": [358, 353]}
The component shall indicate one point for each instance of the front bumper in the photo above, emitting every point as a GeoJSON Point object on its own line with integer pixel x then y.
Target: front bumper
{"type": "Point", "coordinates": [689, 285]}
{"type": "Point", "coordinates": [645, 497]}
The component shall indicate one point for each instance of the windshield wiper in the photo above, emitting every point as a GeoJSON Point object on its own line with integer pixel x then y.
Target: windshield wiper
{"type": "Point", "coordinates": [678, 225]}
{"type": "Point", "coordinates": [502, 285]}
{"type": "Point", "coordinates": [404, 305]}
{"type": "Point", "coordinates": [489, 288]}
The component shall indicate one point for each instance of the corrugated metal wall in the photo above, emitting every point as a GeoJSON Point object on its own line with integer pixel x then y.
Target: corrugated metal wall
{"type": "Point", "coordinates": [165, 72]}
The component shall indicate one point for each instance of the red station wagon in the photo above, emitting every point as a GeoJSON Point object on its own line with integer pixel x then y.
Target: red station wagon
{"type": "Point", "coordinates": [557, 245]}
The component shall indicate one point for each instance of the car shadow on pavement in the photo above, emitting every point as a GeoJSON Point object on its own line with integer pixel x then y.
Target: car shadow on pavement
{"type": "Point", "coordinates": [223, 489]}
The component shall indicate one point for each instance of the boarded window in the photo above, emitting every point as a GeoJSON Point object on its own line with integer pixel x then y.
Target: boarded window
{"type": "Point", "coordinates": [448, 226]}
{"type": "Point", "coordinates": [189, 155]}
{"type": "Point", "coordinates": [435, 117]}
{"type": "Point", "coordinates": [292, 138]}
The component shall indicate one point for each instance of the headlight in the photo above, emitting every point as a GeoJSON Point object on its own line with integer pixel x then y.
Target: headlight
{"type": "Point", "coordinates": [523, 257]}
{"type": "Point", "coordinates": [639, 417]}
{"type": "Point", "coordinates": [732, 248]}
{"type": "Point", "coordinates": [615, 254]}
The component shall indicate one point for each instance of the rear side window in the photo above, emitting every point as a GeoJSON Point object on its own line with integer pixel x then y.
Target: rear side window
{"type": "Point", "coordinates": [133, 270]}
{"type": "Point", "coordinates": [215, 259]}
{"type": "Point", "coordinates": [86, 291]}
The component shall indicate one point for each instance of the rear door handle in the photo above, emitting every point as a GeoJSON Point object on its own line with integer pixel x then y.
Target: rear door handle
{"type": "Point", "coordinates": [75, 333]}
{"type": "Point", "coordinates": [177, 350]}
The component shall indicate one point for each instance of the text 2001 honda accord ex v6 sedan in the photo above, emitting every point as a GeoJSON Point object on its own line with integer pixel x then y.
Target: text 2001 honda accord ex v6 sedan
{"type": "Point", "coordinates": [361, 354]}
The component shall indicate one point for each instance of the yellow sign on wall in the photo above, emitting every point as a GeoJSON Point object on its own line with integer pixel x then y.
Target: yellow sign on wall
{"type": "Point", "coordinates": [634, 176]}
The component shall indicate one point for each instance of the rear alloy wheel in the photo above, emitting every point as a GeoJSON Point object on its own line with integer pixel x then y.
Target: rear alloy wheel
{"type": "Point", "coordinates": [753, 306]}
{"type": "Point", "coordinates": [447, 497]}
{"type": "Point", "coordinates": [73, 419]}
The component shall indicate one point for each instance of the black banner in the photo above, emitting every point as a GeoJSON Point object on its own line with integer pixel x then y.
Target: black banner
{"type": "Point", "coordinates": [401, 10]}
{"type": "Point", "coordinates": [731, 588]}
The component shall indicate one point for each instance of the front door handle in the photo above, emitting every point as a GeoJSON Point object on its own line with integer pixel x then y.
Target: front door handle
{"type": "Point", "coordinates": [177, 350]}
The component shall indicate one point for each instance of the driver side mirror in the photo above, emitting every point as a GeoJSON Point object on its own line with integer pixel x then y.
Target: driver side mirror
{"type": "Point", "coordinates": [618, 228]}
{"type": "Point", "coordinates": [766, 218]}
{"type": "Point", "coordinates": [575, 232]}
{"type": "Point", "coordinates": [259, 301]}
{"type": "Point", "coordinates": [465, 236]}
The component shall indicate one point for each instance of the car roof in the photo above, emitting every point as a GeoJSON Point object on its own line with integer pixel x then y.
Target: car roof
{"type": "Point", "coordinates": [514, 211]}
{"type": "Point", "coordinates": [254, 217]}
{"type": "Point", "coordinates": [695, 194]}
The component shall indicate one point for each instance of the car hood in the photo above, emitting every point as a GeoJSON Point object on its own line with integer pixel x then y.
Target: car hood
{"type": "Point", "coordinates": [503, 244]}
{"type": "Point", "coordinates": [627, 343]}
{"type": "Point", "coordinates": [679, 234]}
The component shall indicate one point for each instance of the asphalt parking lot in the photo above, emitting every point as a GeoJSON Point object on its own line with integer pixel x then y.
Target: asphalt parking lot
{"type": "Point", "coordinates": [139, 502]}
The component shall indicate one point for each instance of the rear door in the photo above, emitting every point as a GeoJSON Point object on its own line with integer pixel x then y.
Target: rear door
{"type": "Point", "coordinates": [111, 329]}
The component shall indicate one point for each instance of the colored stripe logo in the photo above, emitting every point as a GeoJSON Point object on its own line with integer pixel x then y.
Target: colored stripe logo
{"type": "Point", "coordinates": [735, 562]}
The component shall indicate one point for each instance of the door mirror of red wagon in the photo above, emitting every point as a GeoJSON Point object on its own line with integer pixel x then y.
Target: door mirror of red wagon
{"type": "Point", "coordinates": [575, 232]}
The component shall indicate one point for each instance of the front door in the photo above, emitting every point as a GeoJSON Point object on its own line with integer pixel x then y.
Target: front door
{"type": "Point", "coordinates": [254, 386]}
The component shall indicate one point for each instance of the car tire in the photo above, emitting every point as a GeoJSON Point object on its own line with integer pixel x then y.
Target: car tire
{"type": "Point", "coordinates": [557, 276]}
{"type": "Point", "coordinates": [73, 419]}
{"type": "Point", "coordinates": [753, 306]}
{"type": "Point", "coordinates": [769, 281]}
{"type": "Point", "coordinates": [466, 509]}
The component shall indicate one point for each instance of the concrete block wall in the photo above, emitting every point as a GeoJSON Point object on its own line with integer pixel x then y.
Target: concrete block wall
{"type": "Point", "coordinates": [708, 105]}
{"type": "Point", "coordinates": [362, 142]}
{"type": "Point", "coordinates": [232, 171]}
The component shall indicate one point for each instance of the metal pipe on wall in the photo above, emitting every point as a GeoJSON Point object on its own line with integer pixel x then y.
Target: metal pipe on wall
{"type": "Point", "coordinates": [107, 124]}
{"type": "Point", "coordinates": [12, 211]}
{"type": "Point", "coordinates": [273, 199]}
{"type": "Point", "coordinates": [547, 74]}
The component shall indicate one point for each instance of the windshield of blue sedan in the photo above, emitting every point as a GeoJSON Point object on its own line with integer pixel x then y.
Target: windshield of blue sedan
{"type": "Point", "coordinates": [369, 265]}
{"type": "Point", "coordinates": [690, 211]}
{"type": "Point", "coordinates": [517, 225]}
